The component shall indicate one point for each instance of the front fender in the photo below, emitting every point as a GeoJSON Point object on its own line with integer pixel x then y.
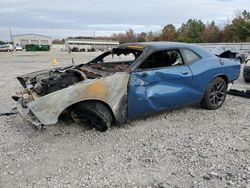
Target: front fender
{"type": "Point", "coordinates": [110, 90]}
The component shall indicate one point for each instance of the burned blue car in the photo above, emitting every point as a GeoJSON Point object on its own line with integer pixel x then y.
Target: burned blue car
{"type": "Point", "coordinates": [127, 82]}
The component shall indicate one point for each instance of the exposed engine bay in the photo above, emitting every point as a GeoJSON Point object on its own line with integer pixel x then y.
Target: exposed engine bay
{"type": "Point", "coordinates": [56, 80]}
{"type": "Point", "coordinates": [47, 82]}
{"type": "Point", "coordinates": [50, 81]}
{"type": "Point", "coordinates": [42, 83]}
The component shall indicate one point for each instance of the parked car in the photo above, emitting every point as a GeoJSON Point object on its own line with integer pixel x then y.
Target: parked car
{"type": "Point", "coordinates": [246, 54]}
{"type": "Point", "coordinates": [19, 48]}
{"type": "Point", "coordinates": [75, 49]}
{"type": "Point", "coordinates": [227, 52]}
{"type": "Point", "coordinates": [6, 48]}
{"type": "Point", "coordinates": [246, 70]}
{"type": "Point", "coordinates": [91, 50]}
{"type": "Point", "coordinates": [130, 81]}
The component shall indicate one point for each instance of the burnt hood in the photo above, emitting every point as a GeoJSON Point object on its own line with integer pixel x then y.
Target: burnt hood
{"type": "Point", "coordinates": [48, 81]}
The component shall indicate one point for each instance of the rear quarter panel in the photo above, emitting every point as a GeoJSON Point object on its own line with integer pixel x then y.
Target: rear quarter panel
{"type": "Point", "coordinates": [205, 70]}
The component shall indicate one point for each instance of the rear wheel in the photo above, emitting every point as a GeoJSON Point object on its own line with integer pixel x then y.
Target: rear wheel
{"type": "Point", "coordinates": [93, 114]}
{"type": "Point", "coordinates": [215, 94]}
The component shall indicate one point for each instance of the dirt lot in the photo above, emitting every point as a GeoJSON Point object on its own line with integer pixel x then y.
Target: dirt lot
{"type": "Point", "coordinates": [188, 147]}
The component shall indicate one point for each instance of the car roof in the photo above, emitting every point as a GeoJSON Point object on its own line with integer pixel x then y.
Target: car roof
{"type": "Point", "coordinates": [165, 45]}
{"type": "Point", "coordinates": [154, 44]}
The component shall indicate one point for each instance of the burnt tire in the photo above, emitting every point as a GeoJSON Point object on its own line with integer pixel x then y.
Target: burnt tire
{"type": "Point", "coordinates": [246, 80]}
{"type": "Point", "coordinates": [94, 115]}
{"type": "Point", "coordinates": [215, 94]}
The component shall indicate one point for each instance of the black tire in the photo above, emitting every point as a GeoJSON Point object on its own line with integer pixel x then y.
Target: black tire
{"type": "Point", "coordinates": [215, 94]}
{"type": "Point", "coordinates": [246, 80]}
{"type": "Point", "coordinates": [93, 114]}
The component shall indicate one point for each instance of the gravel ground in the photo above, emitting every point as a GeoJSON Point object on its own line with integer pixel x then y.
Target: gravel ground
{"type": "Point", "coordinates": [188, 147]}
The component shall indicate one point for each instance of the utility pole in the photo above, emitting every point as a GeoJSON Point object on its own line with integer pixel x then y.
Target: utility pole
{"type": "Point", "coordinates": [94, 39]}
{"type": "Point", "coordinates": [11, 36]}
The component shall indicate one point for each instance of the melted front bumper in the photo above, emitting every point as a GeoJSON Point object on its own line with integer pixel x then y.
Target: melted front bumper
{"type": "Point", "coordinates": [28, 116]}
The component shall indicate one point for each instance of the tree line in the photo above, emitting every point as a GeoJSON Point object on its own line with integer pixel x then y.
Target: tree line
{"type": "Point", "coordinates": [194, 31]}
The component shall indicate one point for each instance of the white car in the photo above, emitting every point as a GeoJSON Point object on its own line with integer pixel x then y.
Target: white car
{"type": "Point", "coordinates": [6, 48]}
{"type": "Point", "coordinates": [19, 48]}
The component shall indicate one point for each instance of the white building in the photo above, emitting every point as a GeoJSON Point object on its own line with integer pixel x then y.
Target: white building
{"type": "Point", "coordinates": [88, 44]}
{"type": "Point", "coordinates": [22, 40]}
{"type": "Point", "coordinates": [58, 46]}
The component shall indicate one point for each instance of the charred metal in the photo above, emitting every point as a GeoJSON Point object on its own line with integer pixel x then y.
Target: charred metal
{"type": "Point", "coordinates": [56, 79]}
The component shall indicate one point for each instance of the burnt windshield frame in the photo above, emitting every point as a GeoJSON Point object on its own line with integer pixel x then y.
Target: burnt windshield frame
{"type": "Point", "coordinates": [118, 52]}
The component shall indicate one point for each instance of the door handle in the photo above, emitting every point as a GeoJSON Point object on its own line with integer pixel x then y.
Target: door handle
{"type": "Point", "coordinates": [184, 72]}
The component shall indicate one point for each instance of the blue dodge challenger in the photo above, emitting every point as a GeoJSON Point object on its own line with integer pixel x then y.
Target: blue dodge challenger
{"type": "Point", "coordinates": [127, 82]}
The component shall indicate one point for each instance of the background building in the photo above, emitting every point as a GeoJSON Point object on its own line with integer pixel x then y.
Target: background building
{"type": "Point", "coordinates": [89, 44]}
{"type": "Point", "coordinates": [241, 46]}
{"type": "Point", "coordinates": [22, 40]}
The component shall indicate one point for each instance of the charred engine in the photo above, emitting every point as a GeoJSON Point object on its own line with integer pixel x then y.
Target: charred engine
{"type": "Point", "coordinates": [57, 80]}
{"type": "Point", "coordinates": [50, 81]}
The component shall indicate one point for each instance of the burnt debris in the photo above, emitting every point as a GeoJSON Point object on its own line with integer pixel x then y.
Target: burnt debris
{"type": "Point", "coordinates": [239, 93]}
{"type": "Point", "coordinates": [57, 81]}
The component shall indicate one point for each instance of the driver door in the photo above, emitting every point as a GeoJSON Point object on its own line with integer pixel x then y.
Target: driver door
{"type": "Point", "coordinates": [162, 81]}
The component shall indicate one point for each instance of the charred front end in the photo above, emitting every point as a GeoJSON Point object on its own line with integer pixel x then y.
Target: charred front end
{"type": "Point", "coordinates": [45, 82]}
{"type": "Point", "coordinates": [103, 81]}
{"type": "Point", "coordinates": [42, 83]}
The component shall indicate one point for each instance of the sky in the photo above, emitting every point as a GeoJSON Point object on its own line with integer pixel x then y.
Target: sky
{"type": "Point", "coordinates": [61, 18]}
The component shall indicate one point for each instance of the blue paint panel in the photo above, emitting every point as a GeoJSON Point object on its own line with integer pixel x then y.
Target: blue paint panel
{"type": "Point", "coordinates": [166, 88]}
{"type": "Point", "coordinates": [156, 90]}
{"type": "Point", "coordinates": [206, 70]}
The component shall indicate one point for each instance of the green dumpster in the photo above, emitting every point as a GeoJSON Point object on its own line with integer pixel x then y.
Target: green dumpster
{"type": "Point", "coordinates": [34, 47]}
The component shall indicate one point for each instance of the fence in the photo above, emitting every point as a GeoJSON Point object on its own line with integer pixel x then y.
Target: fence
{"type": "Point", "coordinates": [244, 46]}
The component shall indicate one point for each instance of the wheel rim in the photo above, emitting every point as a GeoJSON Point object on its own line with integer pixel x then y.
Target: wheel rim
{"type": "Point", "coordinates": [217, 94]}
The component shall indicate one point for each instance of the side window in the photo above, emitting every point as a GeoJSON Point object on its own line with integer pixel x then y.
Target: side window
{"type": "Point", "coordinates": [162, 59]}
{"type": "Point", "coordinates": [190, 56]}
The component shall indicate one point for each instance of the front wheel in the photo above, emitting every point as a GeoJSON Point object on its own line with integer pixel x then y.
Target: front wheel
{"type": "Point", "coordinates": [93, 114]}
{"type": "Point", "coordinates": [215, 94]}
{"type": "Point", "coordinates": [246, 80]}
